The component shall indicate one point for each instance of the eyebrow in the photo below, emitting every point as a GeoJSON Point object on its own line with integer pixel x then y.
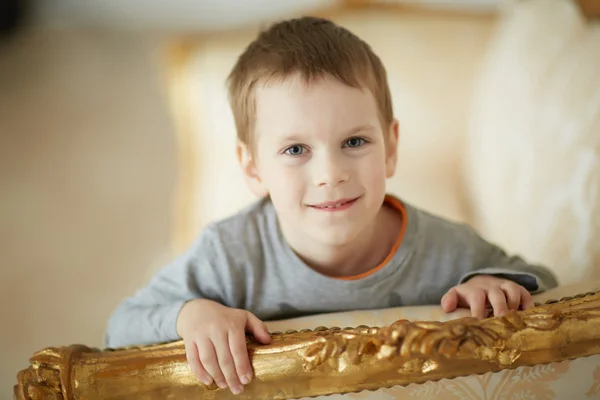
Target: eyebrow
{"type": "Point", "coordinates": [295, 137]}
{"type": "Point", "coordinates": [359, 128]}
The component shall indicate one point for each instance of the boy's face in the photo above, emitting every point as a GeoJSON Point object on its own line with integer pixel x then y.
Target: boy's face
{"type": "Point", "coordinates": [322, 156]}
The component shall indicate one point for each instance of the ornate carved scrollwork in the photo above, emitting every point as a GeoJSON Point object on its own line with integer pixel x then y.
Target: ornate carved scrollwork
{"type": "Point", "coordinates": [328, 360]}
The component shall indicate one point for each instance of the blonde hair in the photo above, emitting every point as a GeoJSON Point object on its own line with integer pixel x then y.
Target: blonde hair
{"type": "Point", "coordinates": [314, 48]}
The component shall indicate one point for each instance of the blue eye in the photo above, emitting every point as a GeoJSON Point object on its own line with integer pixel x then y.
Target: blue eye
{"type": "Point", "coordinates": [354, 142]}
{"type": "Point", "coordinates": [295, 150]}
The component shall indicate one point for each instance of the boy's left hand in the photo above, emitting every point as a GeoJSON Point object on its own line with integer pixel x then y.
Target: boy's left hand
{"type": "Point", "coordinates": [483, 291]}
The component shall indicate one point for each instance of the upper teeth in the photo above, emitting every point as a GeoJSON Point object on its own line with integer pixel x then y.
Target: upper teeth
{"type": "Point", "coordinates": [335, 205]}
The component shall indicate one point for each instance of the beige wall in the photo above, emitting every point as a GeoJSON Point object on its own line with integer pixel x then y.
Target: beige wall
{"type": "Point", "coordinates": [87, 173]}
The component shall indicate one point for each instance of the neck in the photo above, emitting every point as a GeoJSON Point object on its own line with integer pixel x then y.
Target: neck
{"type": "Point", "coordinates": [363, 253]}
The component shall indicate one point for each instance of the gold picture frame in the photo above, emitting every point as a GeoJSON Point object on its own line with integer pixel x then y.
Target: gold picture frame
{"type": "Point", "coordinates": [325, 361]}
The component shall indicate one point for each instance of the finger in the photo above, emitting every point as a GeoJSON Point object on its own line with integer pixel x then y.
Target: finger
{"type": "Point", "coordinates": [193, 358]}
{"type": "Point", "coordinates": [208, 358]}
{"type": "Point", "coordinates": [258, 329]}
{"type": "Point", "coordinates": [226, 363]}
{"type": "Point", "coordinates": [239, 351]}
{"type": "Point", "coordinates": [526, 298]}
{"type": "Point", "coordinates": [497, 299]}
{"type": "Point", "coordinates": [476, 299]}
{"type": "Point", "coordinates": [512, 292]}
{"type": "Point", "coordinates": [450, 300]}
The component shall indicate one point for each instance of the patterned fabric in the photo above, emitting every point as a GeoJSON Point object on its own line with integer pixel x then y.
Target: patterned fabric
{"type": "Point", "coordinates": [577, 379]}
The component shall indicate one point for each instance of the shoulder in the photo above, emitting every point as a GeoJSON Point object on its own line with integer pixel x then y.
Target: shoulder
{"type": "Point", "coordinates": [430, 226]}
{"type": "Point", "coordinates": [246, 223]}
{"type": "Point", "coordinates": [436, 240]}
{"type": "Point", "coordinates": [239, 235]}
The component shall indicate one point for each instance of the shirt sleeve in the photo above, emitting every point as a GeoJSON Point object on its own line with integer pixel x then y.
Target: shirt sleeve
{"type": "Point", "coordinates": [150, 315]}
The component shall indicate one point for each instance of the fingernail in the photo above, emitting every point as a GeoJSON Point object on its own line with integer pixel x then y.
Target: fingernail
{"type": "Point", "coordinates": [206, 381]}
{"type": "Point", "coordinates": [236, 390]}
{"type": "Point", "coordinates": [222, 385]}
{"type": "Point", "coordinates": [245, 379]}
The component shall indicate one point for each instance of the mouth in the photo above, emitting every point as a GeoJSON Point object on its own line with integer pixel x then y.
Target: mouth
{"type": "Point", "coordinates": [335, 205]}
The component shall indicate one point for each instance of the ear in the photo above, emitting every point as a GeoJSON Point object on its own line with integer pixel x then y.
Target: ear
{"type": "Point", "coordinates": [250, 170]}
{"type": "Point", "coordinates": [391, 150]}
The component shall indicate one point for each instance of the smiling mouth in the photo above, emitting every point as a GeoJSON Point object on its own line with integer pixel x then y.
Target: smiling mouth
{"type": "Point", "coordinates": [335, 205]}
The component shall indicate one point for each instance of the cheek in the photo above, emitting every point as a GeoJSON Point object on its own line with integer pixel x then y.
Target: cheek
{"type": "Point", "coordinates": [373, 169]}
{"type": "Point", "coordinates": [285, 184]}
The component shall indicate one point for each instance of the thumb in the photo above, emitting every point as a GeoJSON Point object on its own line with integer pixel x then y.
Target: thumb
{"type": "Point", "coordinates": [257, 328]}
{"type": "Point", "coordinates": [450, 300]}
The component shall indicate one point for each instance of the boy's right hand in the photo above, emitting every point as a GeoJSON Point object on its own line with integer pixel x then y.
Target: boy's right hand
{"type": "Point", "coordinates": [215, 342]}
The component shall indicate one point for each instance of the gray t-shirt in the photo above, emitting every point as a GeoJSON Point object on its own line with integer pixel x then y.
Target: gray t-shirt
{"type": "Point", "coordinates": [245, 262]}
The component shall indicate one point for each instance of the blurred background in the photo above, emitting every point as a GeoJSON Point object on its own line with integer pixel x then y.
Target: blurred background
{"type": "Point", "coordinates": [117, 144]}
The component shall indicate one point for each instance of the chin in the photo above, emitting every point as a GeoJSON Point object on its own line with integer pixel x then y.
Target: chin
{"type": "Point", "coordinates": [336, 237]}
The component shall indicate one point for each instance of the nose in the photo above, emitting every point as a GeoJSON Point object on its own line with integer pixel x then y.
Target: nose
{"type": "Point", "coordinates": [330, 170]}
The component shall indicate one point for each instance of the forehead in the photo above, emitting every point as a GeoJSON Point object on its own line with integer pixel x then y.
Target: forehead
{"type": "Point", "coordinates": [324, 105]}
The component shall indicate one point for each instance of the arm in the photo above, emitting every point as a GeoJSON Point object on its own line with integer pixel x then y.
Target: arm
{"type": "Point", "coordinates": [453, 260]}
{"type": "Point", "coordinates": [490, 259]}
{"type": "Point", "coordinates": [490, 276]}
{"type": "Point", "coordinates": [187, 300]}
{"type": "Point", "coordinates": [150, 315]}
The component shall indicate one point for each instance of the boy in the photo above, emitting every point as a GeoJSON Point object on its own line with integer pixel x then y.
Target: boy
{"type": "Point", "coordinates": [317, 141]}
